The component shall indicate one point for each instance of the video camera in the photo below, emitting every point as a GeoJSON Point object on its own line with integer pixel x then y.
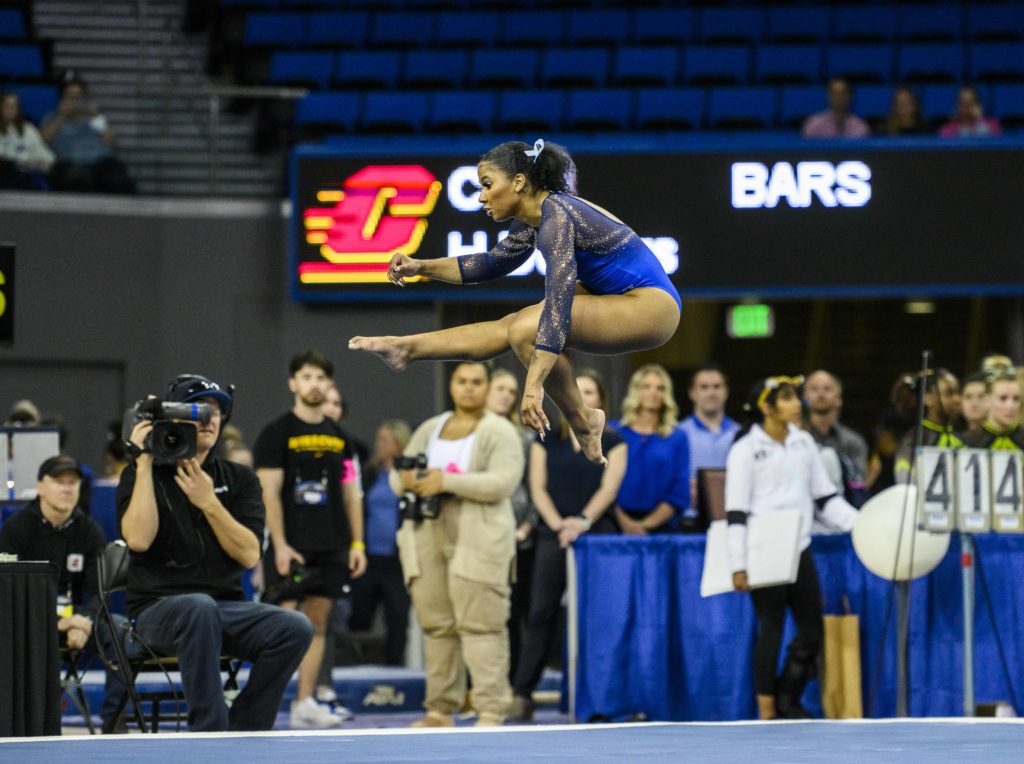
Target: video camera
{"type": "Point", "coordinates": [412, 506]}
{"type": "Point", "coordinates": [174, 435]}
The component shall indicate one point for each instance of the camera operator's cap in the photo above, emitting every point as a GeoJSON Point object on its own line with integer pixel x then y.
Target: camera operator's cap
{"type": "Point", "coordinates": [186, 388]}
{"type": "Point", "coordinates": [56, 466]}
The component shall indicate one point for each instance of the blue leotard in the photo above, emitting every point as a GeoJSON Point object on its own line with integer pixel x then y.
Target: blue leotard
{"type": "Point", "coordinates": [578, 243]}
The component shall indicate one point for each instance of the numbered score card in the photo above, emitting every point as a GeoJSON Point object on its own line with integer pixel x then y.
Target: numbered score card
{"type": "Point", "coordinates": [971, 490]}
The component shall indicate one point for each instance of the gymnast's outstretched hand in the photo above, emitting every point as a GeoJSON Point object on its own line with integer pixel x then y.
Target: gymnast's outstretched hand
{"type": "Point", "coordinates": [532, 410]}
{"type": "Point", "coordinates": [402, 267]}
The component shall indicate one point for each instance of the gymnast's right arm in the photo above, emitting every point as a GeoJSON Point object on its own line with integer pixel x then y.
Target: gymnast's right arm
{"type": "Point", "coordinates": [140, 521]}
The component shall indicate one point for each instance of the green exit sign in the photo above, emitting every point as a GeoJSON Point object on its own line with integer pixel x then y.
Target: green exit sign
{"type": "Point", "coordinates": [750, 321]}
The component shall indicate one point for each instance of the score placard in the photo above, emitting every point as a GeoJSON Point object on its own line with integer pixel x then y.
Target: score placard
{"type": "Point", "coordinates": [1007, 515]}
{"type": "Point", "coordinates": [936, 497]}
{"type": "Point", "coordinates": [973, 493]}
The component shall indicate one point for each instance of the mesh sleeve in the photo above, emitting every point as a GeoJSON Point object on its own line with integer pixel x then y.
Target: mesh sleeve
{"type": "Point", "coordinates": [507, 255]}
{"type": "Point", "coordinates": [556, 241]}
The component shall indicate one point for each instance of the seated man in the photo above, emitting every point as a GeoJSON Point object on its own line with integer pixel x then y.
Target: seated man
{"type": "Point", "coordinates": [193, 527]}
{"type": "Point", "coordinates": [53, 528]}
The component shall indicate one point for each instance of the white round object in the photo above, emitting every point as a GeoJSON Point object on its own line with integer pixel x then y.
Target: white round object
{"type": "Point", "coordinates": [877, 532]}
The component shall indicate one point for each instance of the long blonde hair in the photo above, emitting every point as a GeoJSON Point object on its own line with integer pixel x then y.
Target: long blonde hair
{"type": "Point", "coordinates": [513, 415]}
{"type": "Point", "coordinates": [668, 417]}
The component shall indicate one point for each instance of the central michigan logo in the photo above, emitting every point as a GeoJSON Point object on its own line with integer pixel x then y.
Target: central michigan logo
{"type": "Point", "coordinates": [378, 212]}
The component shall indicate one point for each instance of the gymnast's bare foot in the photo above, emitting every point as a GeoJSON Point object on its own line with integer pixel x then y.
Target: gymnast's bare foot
{"type": "Point", "coordinates": [391, 350]}
{"type": "Point", "coordinates": [590, 439]}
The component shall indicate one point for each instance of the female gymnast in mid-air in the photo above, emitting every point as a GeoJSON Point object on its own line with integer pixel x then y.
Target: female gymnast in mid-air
{"type": "Point", "coordinates": [604, 291]}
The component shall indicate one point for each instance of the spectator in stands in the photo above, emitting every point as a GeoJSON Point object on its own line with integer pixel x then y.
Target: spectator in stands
{"type": "Point", "coordinates": [315, 516]}
{"type": "Point", "coordinates": [84, 144]}
{"type": "Point", "coordinates": [501, 399]}
{"type": "Point", "coordinates": [656, 489]}
{"type": "Point", "coordinates": [192, 529]}
{"type": "Point", "coordinates": [837, 121]}
{"type": "Point", "coordinates": [53, 528]}
{"type": "Point", "coordinates": [23, 413]}
{"type": "Point", "coordinates": [904, 114]}
{"type": "Point", "coordinates": [336, 410]}
{"type": "Point", "coordinates": [234, 448]}
{"type": "Point", "coordinates": [23, 153]}
{"type": "Point", "coordinates": [1001, 430]}
{"type": "Point", "coordinates": [974, 404]}
{"type": "Point", "coordinates": [970, 120]}
{"type": "Point", "coordinates": [708, 430]}
{"type": "Point", "coordinates": [893, 425]}
{"type": "Point", "coordinates": [769, 446]}
{"type": "Point", "coordinates": [941, 411]}
{"type": "Point", "coordinates": [457, 563]}
{"type": "Point", "coordinates": [824, 395]}
{"type": "Point", "coordinates": [573, 496]}
{"type": "Point", "coordinates": [383, 582]}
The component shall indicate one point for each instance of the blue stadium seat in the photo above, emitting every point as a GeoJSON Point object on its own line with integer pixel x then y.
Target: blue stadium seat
{"type": "Point", "coordinates": [930, 62]}
{"type": "Point", "coordinates": [574, 67]}
{"type": "Point", "coordinates": [654, 26]}
{"type": "Point", "coordinates": [787, 24]}
{"type": "Point", "coordinates": [435, 68]}
{"type": "Point", "coordinates": [859, 63]}
{"type": "Point", "coordinates": [467, 29]}
{"type": "Point", "coordinates": [872, 102]}
{"type": "Point", "coordinates": [938, 102]}
{"type": "Point", "coordinates": [462, 111]}
{"type": "Point", "coordinates": [798, 102]}
{"type": "Point", "coordinates": [21, 61]}
{"type": "Point", "coordinates": [788, 63]}
{"type": "Point", "coordinates": [12, 24]}
{"type": "Point", "coordinates": [401, 30]}
{"type": "Point", "coordinates": [363, 69]}
{"type": "Point", "coordinates": [434, 5]}
{"type": "Point", "coordinates": [743, 107]}
{"type": "Point", "coordinates": [530, 110]}
{"type": "Point", "coordinates": [1008, 104]}
{"type": "Point", "coordinates": [539, 28]}
{"type": "Point", "coordinates": [375, 5]}
{"type": "Point", "coordinates": [394, 112]}
{"type": "Point", "coordinates": [302, 69]}
{"type": "Point", "coordinates": [732, 25]}
{"type": "Point", "coordinates": [645, 66]}
{"type": "Point", "coordinates": [345, 29]}
{"type": "Point", "coordinates": [933, 23]}
{"type": "Point", "coordinates": [505, 67]}
{"type": "Point", "coordinates": [991, 21]}
{"type": "Point", "coordinates": [275, 30]}
{"type": "Point", "coordinates": [997, 61]}
{"type": "Point", "coordinates": [670, 108]}
{"type": "Point", "coordinates": [603, 109]}
{"type": "Point", "coordinates": [857, 23]}
{"type": "Point", "coordinates": [328, 110]}
{"type": "Point", "coordinates": [37, 101]}
{"type": "Point", "coordinates": [717, 64]}
{"type": "Point", "coordinates": [599, 27]}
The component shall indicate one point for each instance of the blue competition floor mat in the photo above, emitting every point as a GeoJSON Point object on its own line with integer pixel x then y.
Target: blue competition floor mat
{"type": "Point", "coordinates": [876, 742]}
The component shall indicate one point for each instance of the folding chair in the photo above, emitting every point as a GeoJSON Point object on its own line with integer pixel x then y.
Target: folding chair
{"type": "Point", "coordinates": [71, 684]}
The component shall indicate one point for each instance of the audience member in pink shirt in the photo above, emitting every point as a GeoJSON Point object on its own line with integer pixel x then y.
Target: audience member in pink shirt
{"type": "Point", "coordinates": [969, 121]}
{"type": "Point", "coordinates": [836, 121]}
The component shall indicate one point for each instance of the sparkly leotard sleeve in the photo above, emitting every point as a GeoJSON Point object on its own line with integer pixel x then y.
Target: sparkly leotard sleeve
{"type": "Point", "coordinates": [577, 241]}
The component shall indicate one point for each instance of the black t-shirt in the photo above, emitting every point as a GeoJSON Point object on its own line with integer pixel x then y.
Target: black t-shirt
{"type": "Point", "coordinates": [316, 459]}
{"type": "Point", "coordinates": [72, 548]}
{"type": "Point", "coordinates": [186, 557]}
{"type": "Point", "coordinates": [572, 477]}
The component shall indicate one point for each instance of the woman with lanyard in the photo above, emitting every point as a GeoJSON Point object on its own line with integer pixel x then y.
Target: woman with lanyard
{"type": "Point", "coordinates": [656, 489]}
{"type": "Point", "coordinates": [573, 496]}
{"type": "Point", "coordinates": [775, 466]}
{"type": "Point", "coordinates": [623, 301]}
{"type": "Point", "coordinates": [1001, 429]}
{"type": "Point", "coordinates": [941, 411]}
{"type": "Point", "coordinates": [458, 546]}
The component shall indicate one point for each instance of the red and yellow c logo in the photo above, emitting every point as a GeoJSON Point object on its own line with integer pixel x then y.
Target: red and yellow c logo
{"type": "Point", "coordinates": [379, 211]}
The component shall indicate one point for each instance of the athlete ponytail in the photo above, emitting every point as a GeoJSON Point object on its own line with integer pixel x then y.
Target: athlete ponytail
{"type": "Point", "coordinates": [547, 166]}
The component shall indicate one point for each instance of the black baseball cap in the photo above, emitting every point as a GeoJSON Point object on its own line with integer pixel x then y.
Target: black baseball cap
{"type": "Point", "coordinates": [56, 466]}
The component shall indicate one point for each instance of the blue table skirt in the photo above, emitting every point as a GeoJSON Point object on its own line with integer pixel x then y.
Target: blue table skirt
{"type": "Point", "coordinates": [648, 643]}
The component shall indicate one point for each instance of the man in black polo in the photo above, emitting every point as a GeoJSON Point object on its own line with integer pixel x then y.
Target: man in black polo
{"type": "Point", "coordinates": [53, 528]}
{"type": "Point", "coordinates": [193, 527]}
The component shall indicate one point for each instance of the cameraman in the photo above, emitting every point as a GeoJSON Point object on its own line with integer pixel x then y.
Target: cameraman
{"type": "Point", "coordinates": [457, 563]}
{"type": "Point", "coordinates": [193, 527]}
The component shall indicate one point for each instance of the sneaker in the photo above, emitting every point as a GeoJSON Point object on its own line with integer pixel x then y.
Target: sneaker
{"type": "Point", "coordinates": [522, 709]}
{"type": "Point", "coordinates": [434, 719]}
{"type": "Point", "coordinates": [328, 697]}
{"type": "Point", "coordinates": [310, 715]}
{"type": "Point", "coordinates": [489, 720]}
